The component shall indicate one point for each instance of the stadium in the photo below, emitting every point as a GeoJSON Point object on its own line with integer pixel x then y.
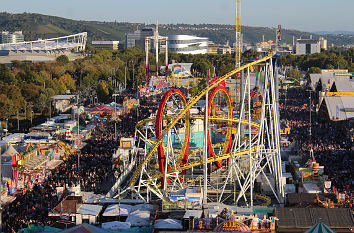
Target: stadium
{"type": "Point", "coordinates": [44, 50]}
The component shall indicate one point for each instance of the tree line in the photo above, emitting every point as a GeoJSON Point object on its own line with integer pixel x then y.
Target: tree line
{"type": "Point", "coordinates": [27, 87]}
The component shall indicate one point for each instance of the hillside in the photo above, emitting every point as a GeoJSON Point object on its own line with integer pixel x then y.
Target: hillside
{"type": "Point", "coordinates": [36, 26]}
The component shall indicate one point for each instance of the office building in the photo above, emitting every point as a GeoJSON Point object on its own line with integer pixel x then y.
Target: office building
{"type": "Point", "coordinates": [137, 38]}
{"type": "Point", "coordinates": [307, 46]}
{"type": "Point", "coordinates": [11, 37]}
{"type": "Point", "coordinates": [219, 49]}
{"type": "Point", "coordinates": [187, 44]}
{"type": "Point", "coordinates": [109, 45]}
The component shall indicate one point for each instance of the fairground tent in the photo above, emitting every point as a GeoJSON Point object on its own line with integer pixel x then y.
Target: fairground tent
{"type": "Point", "coordinates": [320, 228]}
{"type": "Point", "coordinates": [85, 228]}
{"type": "Point", "coordinates": [115, 225]}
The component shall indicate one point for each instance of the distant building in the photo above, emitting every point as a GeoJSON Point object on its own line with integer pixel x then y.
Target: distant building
{"type": "Point", "coordinates": [63, 103]}
{"type": "Point", "coordinates": [307, 46]}
{"type": "Point", "coordinates": [137, 38]}
{"type": "Point", "coordinates": [213, 48]}
{"type": "Point", "coordinates": [187, 44]}
{"type": "Point", "coordinates": [323, 43]}
{"type": "Point", "coordinates": [11, 37]}
{"type": "Point", "coordinates": [109, 45]}
{"type": "Point", "coordinates": [219, 49]}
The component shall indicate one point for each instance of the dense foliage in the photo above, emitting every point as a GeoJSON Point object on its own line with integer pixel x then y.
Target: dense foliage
{"type": "Point", "coordinates": [27, 87]}
{"type": "Point", "coordinates": [331, 59]}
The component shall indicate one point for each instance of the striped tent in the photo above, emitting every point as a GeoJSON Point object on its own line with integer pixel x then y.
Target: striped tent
{"type": "Point", "coordinates": [320, 228]}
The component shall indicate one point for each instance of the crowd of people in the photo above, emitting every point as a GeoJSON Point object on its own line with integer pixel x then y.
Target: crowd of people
{"type": "Point", "coordinates": [330, 141]}
{"type": "Point", "coordinates": [90, 167]}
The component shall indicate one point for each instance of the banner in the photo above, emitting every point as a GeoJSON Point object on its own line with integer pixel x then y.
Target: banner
{"type": "Point", "coordinates": [327, 184]}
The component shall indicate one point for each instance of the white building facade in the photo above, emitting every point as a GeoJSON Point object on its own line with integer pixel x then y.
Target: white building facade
{"type": "Point", "coordinates": [187, 44]}
{"type": "Point", "coordinates": [11, 37]}
{"type": "Point", "coordinates": [307, 46]}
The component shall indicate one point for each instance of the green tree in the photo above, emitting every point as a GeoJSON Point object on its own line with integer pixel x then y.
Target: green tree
{"type": "Point", "coordinates": [62, 59]}
{"type": "Point", "coordinates": [44, 100]}
{"type": "Point", "coordinates": [6, 76]}
{"type": "Point", "coordinates": [6, 107]}
{"type": "Point", "coordinates": [102, 91]}
{"type": "Point", "coordinates": [193, 89]}
{"type": "Point", "coordinates": [315, 70]}
{"type": "Point", "coordinates": [202, 67]}
{"type": "Point", "coordinates": [30, 92]}
{"type": "Point", "coordinates": [294, 75]}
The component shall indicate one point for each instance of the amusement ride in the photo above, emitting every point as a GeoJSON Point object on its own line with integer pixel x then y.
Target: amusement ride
{"type": "Point", "coordinates": [238, 146]}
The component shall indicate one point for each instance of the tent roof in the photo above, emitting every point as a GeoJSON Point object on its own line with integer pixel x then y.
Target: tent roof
{"type": "Point", "coordinates": [320, 228]}
{"type": "Point", "coordinates": [113, 210]}
{"type": "Point", "coordinates": [10, 151]}
{"type": "Point", "coordinates": [168, 224]}
{"type": "Point", "coordinates": [87, 209]}
{"type": "Point", "coordinates": [115, 225]}
{"type": "Point", "coordinates": [85, 228]}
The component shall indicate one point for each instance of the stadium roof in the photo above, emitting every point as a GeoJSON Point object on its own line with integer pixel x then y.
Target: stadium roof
{"type": "Point", "coordinates": [77, 41]}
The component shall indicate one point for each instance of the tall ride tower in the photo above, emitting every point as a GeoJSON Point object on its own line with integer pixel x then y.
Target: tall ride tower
{"type": "Point", "coordinates": [238, 44]}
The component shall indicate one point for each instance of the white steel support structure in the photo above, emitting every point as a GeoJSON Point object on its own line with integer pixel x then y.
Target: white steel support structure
{"type": "Point", "coordinates": [156, 38]}
{"type": "Point", "coordinates": [253, 156]}
{"type": "Point", "coordinates": [265, 160]}
{"type": "Point", "coordinates": [76, 42]}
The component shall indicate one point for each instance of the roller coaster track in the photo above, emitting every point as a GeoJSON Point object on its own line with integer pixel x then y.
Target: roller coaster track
{"type": "Point", "coordinates": [182, 113]}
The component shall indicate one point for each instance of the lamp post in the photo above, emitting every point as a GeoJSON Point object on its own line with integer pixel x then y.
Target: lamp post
{"type": "Point", "coordinates": [115, 113]}
{"type": "Point", "coordinates": [31, 117]}
{"type": "Point", "coordinates": [132, 62]}
{"type": "Point", "coordinates": [18, 122]}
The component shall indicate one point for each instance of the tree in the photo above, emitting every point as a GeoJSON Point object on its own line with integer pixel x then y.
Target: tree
{"type": "Point", "coordinates": [44, 100]}
{"type": "Point", "coordinates": [202, 67]}
{"type": "Point", "coordinates": [102, 91]}
{"type": "Point", "coordinates": [294, 75]}
{"type": "Point", "coordinates": [30, 91]}
{"type": "Point", "coordinates": [6, 76]}
{"type": "Point", "coordinates": [69, 83]}
{"type": "Point", "coordinates": [193, 89]}
{"type": "Point", "coordinates": [63, 59]}
{"type": "Point", "coordinates": [6, 107]}
{"type": "Point", "coordinates": [315, 70]}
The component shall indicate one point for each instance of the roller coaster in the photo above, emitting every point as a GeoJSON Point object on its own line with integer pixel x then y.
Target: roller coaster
{"type": "Point", "coordinates": [236, 153]}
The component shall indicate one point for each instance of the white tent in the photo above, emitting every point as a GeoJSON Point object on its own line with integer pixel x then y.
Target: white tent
{"type": "Point", "coordinates": [114, 210]}
{"type": "Point", "coordinates": [146, 207]}
{"type": "Point", "coordinates": [139, 218]}
{"type": "Point", "coordinates": [168, 224]}
{"type": "Point", "coordinates": [115, 225]}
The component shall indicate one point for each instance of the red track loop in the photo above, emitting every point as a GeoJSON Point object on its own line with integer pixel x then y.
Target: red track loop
{"type": "Point", "coordinates": [228, 138]}
{"type": "Point", "coordinates": [159, 118]}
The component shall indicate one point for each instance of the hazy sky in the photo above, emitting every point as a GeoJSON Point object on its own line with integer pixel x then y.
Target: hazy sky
{"type": "Point", "coordinates": [308, 15]}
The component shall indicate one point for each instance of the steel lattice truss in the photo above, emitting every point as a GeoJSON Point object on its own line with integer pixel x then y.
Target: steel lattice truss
{"type": "Point", "coordinates": [233, 163]}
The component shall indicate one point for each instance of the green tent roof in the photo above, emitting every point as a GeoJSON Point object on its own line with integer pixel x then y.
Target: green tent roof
{"type": "Point", "coordinates": [320, 228]}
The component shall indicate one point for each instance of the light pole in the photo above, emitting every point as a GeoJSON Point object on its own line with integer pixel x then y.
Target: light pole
{"type": "Point", "coordinates": [115, 114]}
{"type": "Point", "coordinates": [132, 61]}
{"type": "Point", "coordinates": [125, 76]}
{"type": "Point", "coordinates": [18, 122]}
{"type": "Point", "coordinates": [31, 117]}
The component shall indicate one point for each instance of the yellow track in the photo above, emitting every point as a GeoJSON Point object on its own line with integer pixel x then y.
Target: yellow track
{"type": "Point", "coordinates": [191, 103]}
